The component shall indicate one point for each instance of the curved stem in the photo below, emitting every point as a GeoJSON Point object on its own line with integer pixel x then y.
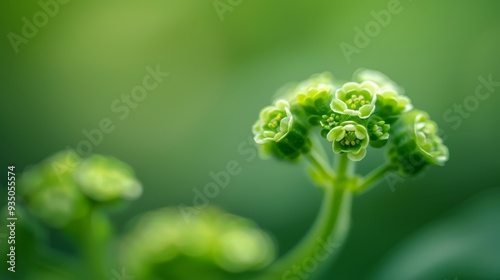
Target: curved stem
{"type": "Point", "coordinates": [327, 235]}
{"type": "Point", "coordinates": [369, 180]}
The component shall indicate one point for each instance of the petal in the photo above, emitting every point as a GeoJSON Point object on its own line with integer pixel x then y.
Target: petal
{"type": "Point", "coordinates": [332, 134]}
{"type": "Point", "coordinates": [335, 133]}
{"type": "Point", "coordinates": [349, 127]}
{"type": "Point", "coordinates": [258, 139]}
{"type": "Point", "coordinates": [340, 93]}
{"type": "Point", "coordinates": [352, 112]}
{"type": "Point", "coordinates": [364, 143]}
{"type": "Point", "coordinates": [366, 111]}
{"type": "Point", "coordinates": [268, 134]}
{"type": "Point", "coordinates": [419, 126]}
{"type": "Point", "coordinates": [380, 79]}
{"type": "Point", "coordinates": [280, 135]}
{"type": "Point", "coordinates": [421, 138]}
{"type": "Point", "coordinates": [338, 106]}
{"type": "Point", "coordinates": [340, 136]}
{"type": "Point", "coordinates": [359, 134]}
{"type": "Point", "coordinates": [357, 156]}
{"type": "Point", "coordinates": [351, 86]}
{"type": "Point", "coordinates": [285, 124]}
{"type": "Point", "coordinates": [361, 129]}
{"type": "Point", "coordinates": [337, 148]}
{"type": "Point", "coordinates": [384, 137]}
{"type": "Point", "coordinates": [282, 104]}
{"type": "Point", "coordinates": [370, 86]}
{"type": "Point", "coordinates": [388, 94]}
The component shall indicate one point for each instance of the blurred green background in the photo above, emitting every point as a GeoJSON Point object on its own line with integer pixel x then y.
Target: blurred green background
{"type": "Point", "coordinates": [223, 69]}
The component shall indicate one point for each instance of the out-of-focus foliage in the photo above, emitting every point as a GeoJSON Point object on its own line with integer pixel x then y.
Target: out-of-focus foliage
{"type": "Point", "coordinates": [93, 53]}
{"type": "Point", "coordinates": [211, 245]}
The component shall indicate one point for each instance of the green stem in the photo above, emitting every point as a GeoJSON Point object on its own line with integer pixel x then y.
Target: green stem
{"type": "Point", "coordinates": [371, 179]}
{"type": "Point", "coordinates": [92, 233]}
{"type": "Point", "coordinates": [92, 249]}
{"type": "Point", "coordinates": [320, 164]}
{"type": "Point", "coordinates": [344, 169]}
{"type": "Point", "coordinates": [327, 235]}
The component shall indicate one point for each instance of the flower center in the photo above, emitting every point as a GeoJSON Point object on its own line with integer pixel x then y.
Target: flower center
{"type": "Point", "coordinates": [274, 123]}
{"type": "Point", "coordinates": [350, 139]}
{"type": "Point", "coordinates": [356, 101]}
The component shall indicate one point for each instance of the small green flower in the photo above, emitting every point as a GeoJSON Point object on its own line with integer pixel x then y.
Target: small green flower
{"type": "Point", "coordinates": [274, 123]}
{"type": "Point", "coordinates": [279, 133]}
{"type": "Point", "coordinates": [351, 138]}
{"type": "Point", "coordinates": [416, 143]}
{"type": "Point", "coordinates": [106, 179]}
{"type": "Point", "coordinates": [378, 131]}
{"type": "Point", "coordinates": [355, 99]}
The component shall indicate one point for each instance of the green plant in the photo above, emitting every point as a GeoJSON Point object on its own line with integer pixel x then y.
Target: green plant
{"type": "Point", "coordinates": [71, 197]}
{"type": "Point", "coordinates": [370, 110]}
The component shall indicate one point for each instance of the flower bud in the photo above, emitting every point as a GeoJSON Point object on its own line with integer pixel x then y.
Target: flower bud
{"type": "Point", "coordinates": [106, 179]}
{"type": "Point", "coordinates": [328, 122]}
{"type": "Point", "coordinates": [378, 131]}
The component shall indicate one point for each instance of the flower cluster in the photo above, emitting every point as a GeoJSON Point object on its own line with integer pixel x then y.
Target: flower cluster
{"type": "Point", "coordinates": [370, 110]}
{"type": "Point", "coordinates": [63, 187]}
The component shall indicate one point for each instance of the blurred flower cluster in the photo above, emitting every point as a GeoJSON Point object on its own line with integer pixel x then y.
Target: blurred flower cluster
{"type": "Point", "coordinates": [368, 110]}
{"type": "Point", "coordinates": [64, 187]}
{"type": "Point", "coordinates": [70, 194]}
{"type": "Point", "coordinates": [212, 245]}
